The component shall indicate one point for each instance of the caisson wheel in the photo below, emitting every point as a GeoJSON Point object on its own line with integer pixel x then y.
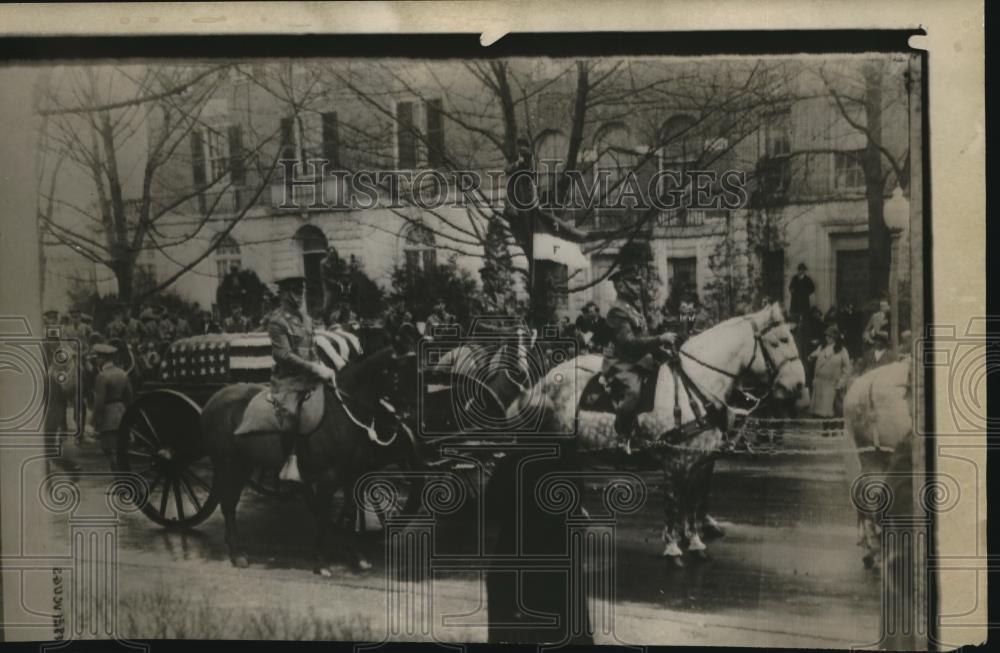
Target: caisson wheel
{"type": "Point", "coordinates": [160, 440]}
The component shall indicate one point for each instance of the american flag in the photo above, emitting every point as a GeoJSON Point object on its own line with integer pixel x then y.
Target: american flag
{"type": "Point", "coordinates": [244, 357]}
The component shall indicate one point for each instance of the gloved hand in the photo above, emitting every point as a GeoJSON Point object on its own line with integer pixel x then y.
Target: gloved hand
{"type": "Point", "coordinates": [668, 338]}
{"type": "Point", "coordinates": [325, 374]}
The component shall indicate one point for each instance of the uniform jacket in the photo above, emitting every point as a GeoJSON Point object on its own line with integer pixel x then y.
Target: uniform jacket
{"type": "Point", "coordinates": [167, 330]}
{"type": "Point", "coordinates": [112, 394]}
{"type": "Point", "coordinates": [629, 339]}
{"type": "Point", "coordinates": [234, 324]}
{"type": "Point", "coordinates": [116, 330]}
{"type": "Point", "coordinates": [293, 349]}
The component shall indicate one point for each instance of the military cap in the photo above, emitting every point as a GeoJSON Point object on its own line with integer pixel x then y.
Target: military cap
{"type": "Point", "coordinates": [147, 314]}
{"type": "Point", "coordinates": [86, 317]}
{"type": "Point", "coordinates": [634, 257]}
{"type": "Point", "coordinates": [52, 314]}
{"type": "Point", "coordinates": [104, 349]}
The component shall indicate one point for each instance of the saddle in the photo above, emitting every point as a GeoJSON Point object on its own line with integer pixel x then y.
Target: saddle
{"type": "Point", "coordinates": [266, 414]}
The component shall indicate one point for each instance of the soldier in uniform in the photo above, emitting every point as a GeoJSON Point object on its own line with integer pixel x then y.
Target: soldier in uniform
{"type": "Point", "coordinates": [236, 323]}
{"type": "Point", "coordinates": [168, 330]}
{"type": "Point", "coordinates": [150, 329]}
{"type": "Point", "coordinates": [78, 329]}
{"type": "Point", "coordinates": [440, 316]}
{"type": "Point", "coordinates": [112, 395]}
{"type": "Point", "coordinates": [181, 327]}
{"type": "Point", "coordinates": [628, 356]}
{"type": "Point", "coordinates": [116, 328]}
{"type": "Point", "coordinates": [297, 370]}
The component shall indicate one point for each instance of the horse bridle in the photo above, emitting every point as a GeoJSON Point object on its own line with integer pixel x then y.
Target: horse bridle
{"type": "Point", "coordinates": [773, 369]}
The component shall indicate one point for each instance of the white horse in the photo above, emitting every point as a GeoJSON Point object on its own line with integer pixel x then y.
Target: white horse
{"type": "Point", "coordinates": [877, 418]}
{"type": "Point", "coordinates": [759, 344]}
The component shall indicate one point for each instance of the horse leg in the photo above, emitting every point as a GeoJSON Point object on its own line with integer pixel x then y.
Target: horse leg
{"type": "Point", "coordinates": [697, 488]}
{"type": "Point", "coordinates": [319, 500]}
{"type": "Point", "coordinates": [230, 477]}
{"type": "Point", "coordinates": [351, 536]}
{"type": "Point", "coordinates": [672, 516]}
{"type": "Point", "coordinates": [710, 529]}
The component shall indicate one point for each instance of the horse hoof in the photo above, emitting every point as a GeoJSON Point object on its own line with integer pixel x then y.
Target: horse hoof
{"type": "Point", "coordinates": [240, 561]}
{"type": "Point", "coordinates": [713, 532]}
{"type": "Point", "coordinates": [364, 565]}
{"type": "Point", "coordinates": [675, 562]}
{"type": "Point", "coordinates": [323, 571]}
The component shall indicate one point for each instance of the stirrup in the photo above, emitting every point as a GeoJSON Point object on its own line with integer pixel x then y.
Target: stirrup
{"type": "Point", "coordinates": [290, 471]}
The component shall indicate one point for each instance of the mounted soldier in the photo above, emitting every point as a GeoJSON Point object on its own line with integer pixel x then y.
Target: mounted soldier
{"type": "Point", "coordinates": [297, 374]}
{"type": "Point", "coordinates": [628, 358]}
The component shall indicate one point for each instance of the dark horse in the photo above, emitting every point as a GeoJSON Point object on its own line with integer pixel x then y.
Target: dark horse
{"type": "Point", "coordinates": [334, 456]}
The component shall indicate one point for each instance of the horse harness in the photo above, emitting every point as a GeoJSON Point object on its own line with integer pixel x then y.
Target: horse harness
{"type": "Point", "coordinates": [716, 415]}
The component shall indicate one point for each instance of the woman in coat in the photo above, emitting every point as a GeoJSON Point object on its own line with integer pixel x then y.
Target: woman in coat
{"type": "Point", "coordinates": [833, 369]}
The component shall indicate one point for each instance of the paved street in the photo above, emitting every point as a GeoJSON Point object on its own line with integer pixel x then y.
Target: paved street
{"type": "Point", "coordinates": [787, 573]}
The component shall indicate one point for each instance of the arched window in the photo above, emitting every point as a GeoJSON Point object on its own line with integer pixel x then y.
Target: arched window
{"type": "Point", "coordinates": [419, 249]}
{"type": "Point", "coordinates": [679, 139]}
{"type": "Point", "coordinates": [613, 150]}
{"type": "Point", "coordinates": [227, 256]}
{"type": "Point", "coordinates": [550, 146]}
{"type": "Point", "coordinates": [680, 150]}
{"type": "Point", "coordinates": [313, 245]}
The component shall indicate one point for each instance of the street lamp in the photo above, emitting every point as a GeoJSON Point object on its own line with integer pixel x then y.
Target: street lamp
{"type": "Point", "coordinates": [896, 214]}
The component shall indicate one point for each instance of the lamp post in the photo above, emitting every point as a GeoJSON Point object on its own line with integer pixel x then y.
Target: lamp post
{"type": "Point", "coordinates": [897, 216]}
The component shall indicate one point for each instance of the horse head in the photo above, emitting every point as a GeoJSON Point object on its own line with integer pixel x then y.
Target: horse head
{"type": "Point", "coordinates": [776, 362]}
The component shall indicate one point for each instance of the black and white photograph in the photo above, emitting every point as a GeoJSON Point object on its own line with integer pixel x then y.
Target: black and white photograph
{"type": "Point", "coordinates": [543, 349]}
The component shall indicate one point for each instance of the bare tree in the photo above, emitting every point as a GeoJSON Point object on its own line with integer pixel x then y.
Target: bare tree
{"type": "Point", "coordinates": [120, 142]}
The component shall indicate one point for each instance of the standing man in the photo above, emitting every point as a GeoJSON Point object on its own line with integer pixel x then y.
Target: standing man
{"type": "Point", "coordinates": [440, 316]}
{"type": "Point", "coordinates": [116, 328]}
{"type": "Point", "coordinates": [879, 323]}
{"type": "Point", "coordinates": [236, 323]}
{"type": "Point", "coordinates": [297, 371]}
{"type": "Point", "coordinates": [182, 329]}
{"type": "Point", "coordinates": [168, 331]}
{"type": "Point", "coordinates": [112, 395]}
{"type": "Point", "coordinates": [628, 357]}
{"type": "Point", "coordinates": [878, 355]}
{"type": "Point", "coordinates": [801, 289]}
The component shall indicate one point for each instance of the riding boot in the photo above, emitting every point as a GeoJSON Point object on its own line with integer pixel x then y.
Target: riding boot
{"type": "Point", "coordinates": [625, 426]}
{"type": "Point", "coordinates": [290, 471]}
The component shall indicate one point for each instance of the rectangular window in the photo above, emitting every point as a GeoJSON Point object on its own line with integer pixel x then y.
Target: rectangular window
{"type": "Point", "coordinates": [406, 137]}
{"type": "Point", "coordinates": [218, 156]}
{"type": "Point", "coordinates": [847, 171]}
{"type": "Point", "coordinates": [773, 273]}
{"type": "Point", "coordinates": [435, 134]}
{"type": "Point", "coordinates": [778, 140]}
{"type": "Point", "coordinates": [683, 272]}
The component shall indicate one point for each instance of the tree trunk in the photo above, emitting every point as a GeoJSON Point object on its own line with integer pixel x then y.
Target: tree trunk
{"type": "Point", "coordinates": [125, 275]}
{"type": "Point", "coordinates": [878, 235]}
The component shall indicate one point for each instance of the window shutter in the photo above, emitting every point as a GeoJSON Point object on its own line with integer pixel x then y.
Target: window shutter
{"type": "Point", "coordinates": [331, 139]}
{"type": "Point", "coordinates": [406, 142]}
{"type": "Point", "coordinates": [237, 167]}
{"type": "Point", "coordinates": [199, 180]}
{"type": "Point", "coordinates": [435, 134]}
{"type": "Point", "coordinates": [198, 159]}
{"type": "Point", "coordinates": [288, 138]}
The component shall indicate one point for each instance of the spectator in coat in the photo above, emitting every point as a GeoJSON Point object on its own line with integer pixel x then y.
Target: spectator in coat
{"type": "Point", "coordinates": [801, 289]}
{"type": "Point", "coordinates": [833, 369]}
{"type": "Point", "coordinates": [112, 395]}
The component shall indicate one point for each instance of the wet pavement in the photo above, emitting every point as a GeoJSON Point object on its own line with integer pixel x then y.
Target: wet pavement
{"type": "Point", "coordinates": [787, 573]}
